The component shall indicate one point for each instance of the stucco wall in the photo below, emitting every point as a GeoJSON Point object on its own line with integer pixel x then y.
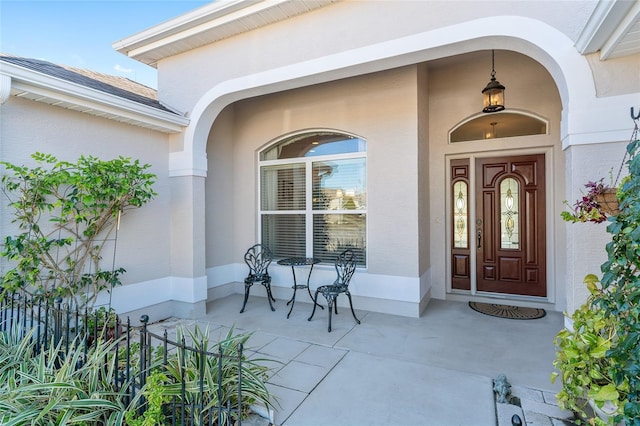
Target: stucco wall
{"type": "Point", "coordinates": [381, 108]}
{"type": "Point", "coordinates": [616, 76]}
{"type": "Point", "coordinates": [337, 28]}
{"type": "Point", "coordinates": [277, 78]}
{"type": "Point", "coordinates": [143, 239]}
{"type": "Point", "coordinates": [586, 241]}
{"type": "Point", "coordinates": [424, 212]}
{"type": "Point", "coordinates": [220, 207]}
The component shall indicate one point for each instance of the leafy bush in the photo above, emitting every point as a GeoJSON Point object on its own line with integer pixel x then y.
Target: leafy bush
{"type": "Point", "coordinates": [198, 374]}
{"type": "Point", "coordinates": [48, 388]}
{"type": "Point", "coordinates": [66, 213]}
{"type": "Point", "coordinates": [600, 357]}
{"type": "Point", "coordinates": [581, 358]}
{"type": "Point", "coordinates": [620, 298]}
{"type": "Point", "coordinates": [64, 384]}
{"type": "Point", "coordinates": [156, 397]}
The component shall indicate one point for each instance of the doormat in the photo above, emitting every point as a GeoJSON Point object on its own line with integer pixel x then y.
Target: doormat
{"type": "Point", "coordinates": [505, 311]}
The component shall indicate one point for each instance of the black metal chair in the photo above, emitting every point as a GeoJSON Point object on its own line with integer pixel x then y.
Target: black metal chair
{"type": "Point", "coordinates": [345, 267]}
{"type": "Point", "coordinates": [258, 258]}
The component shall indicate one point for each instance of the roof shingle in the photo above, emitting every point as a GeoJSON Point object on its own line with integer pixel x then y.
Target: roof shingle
{"type": "Point", "coordinates": [113, 85]}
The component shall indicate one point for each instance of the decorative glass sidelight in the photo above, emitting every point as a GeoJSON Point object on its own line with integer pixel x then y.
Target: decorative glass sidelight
{"type": "Point", "coordinates": [460, 214]}
{"type": "Point", "coordinates": [509, 221]}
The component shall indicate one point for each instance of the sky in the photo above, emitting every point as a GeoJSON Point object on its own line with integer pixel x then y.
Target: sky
{"type": "Point", "coordinates": [79, 33]}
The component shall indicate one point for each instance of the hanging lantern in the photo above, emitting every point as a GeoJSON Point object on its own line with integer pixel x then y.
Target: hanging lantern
{"type": "Point", "coordinates": [494, 92]}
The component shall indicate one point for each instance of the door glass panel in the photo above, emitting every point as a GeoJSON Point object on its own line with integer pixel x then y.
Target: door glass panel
{"type": "Point", "coordinates": [460, 215]}
{"type": "Point", "coordinates": [509, 222]}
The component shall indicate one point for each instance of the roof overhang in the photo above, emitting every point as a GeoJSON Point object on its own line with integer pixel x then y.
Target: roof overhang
{"type": "Point", "coordinates": [613, 29]}
{"type": "Point", "coordinates": [29, 84]}
{"type": "Point", "coordinates": [208, 24]}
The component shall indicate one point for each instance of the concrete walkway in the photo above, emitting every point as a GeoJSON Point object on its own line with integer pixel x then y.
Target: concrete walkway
{"type": "Point", "coordinates": [391, 370]}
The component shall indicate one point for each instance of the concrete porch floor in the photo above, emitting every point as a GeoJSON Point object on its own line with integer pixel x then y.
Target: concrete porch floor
{"type": "Point", "coordinates": [389, 370]}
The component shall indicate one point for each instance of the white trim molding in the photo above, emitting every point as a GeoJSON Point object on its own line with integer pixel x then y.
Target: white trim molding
{"type": "Point", "coordinates": [207, 24]}
{"type": "Point", "coordinates": [5, 88]}
{"type": "Point", "coordinates": [585, 117]}
{"type": "Point", "coordinates": [40, 87]}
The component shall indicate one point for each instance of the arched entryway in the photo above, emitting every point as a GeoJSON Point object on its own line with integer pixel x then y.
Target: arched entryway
{"type": "Point", "coordinates": [385, 56]}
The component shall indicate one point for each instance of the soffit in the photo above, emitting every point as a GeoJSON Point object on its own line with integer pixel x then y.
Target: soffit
{"type": "Point", "coordinates": [613, 29]}
{"type": "Point", "coordinates": [208, 24]}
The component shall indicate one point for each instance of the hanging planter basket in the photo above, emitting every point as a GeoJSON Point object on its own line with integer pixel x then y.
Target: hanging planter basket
{"type": "Point", "coordinates": [608, 201]}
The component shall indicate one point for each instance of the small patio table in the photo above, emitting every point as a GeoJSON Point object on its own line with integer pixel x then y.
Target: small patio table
{"type": "Point", "coordinates": [299, 261]}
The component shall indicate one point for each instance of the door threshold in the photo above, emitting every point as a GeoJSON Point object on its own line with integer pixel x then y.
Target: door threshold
{"type": "Point", "coordinates": [503, 299]}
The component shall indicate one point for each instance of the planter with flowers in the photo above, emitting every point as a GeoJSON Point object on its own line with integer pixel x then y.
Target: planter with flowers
{"type": "Point", "coordinates": [599, 202]}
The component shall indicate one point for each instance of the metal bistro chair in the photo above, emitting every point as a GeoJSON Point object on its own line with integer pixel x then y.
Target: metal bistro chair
{"type": "Point", "coordinates": [345, 267]}
{"type": "Point", "coordinates": [258, 258]}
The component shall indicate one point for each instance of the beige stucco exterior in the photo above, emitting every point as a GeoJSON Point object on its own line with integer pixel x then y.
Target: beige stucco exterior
{"type": "Point", "coordinates": [144, 239]}
{"type": "Point", "coordinates": [399, 74]}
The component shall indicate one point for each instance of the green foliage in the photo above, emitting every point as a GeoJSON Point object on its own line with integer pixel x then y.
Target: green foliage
{"type": "Point", "coordinates": [199, 374]}
{"type": "Point", "coordinates": [621, 286]}
{"type": "Point", "coordinates": [189, 379]}
{"type": "Point", "coordinates": [156, 397]}
{"type": "Point", "coordinates": [66, 213]}
{"type": "Point", "coordinates": [581, 358]}
{"type": "Point", "coordinates": [587, 208]}
{"type": "Point", "coordinates": [47, 389]}
{"type": "Point", "coordinates": [602, 354]}
{"type": "Point", "coordinates": [101, 318]}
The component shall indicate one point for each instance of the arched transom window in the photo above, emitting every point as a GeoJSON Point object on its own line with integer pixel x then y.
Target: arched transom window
{"type": "Point", "coordinates": [501, 125]}
{"type": "Point", "coordinates": [313, 196]}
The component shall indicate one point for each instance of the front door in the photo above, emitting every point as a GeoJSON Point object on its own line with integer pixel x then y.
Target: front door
{"type": "Point", "coordinates": [510, 225]}
{"type": "Point", "coordinates": [509, 233]}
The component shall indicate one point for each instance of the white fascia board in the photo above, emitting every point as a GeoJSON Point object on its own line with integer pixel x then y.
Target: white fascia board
{"type": "Point", "coordinates": [55, 88]}
{"type": "Point", "coordinates": [602, 24]}
{"type": "Point", "coordinates": [180, 23]}
{"type": "Point", "coordinates": [5, 88]}
{"type": "Point", "coordinates": [626, 25]}
{"type": "Point", "coordinates": [190, 24]}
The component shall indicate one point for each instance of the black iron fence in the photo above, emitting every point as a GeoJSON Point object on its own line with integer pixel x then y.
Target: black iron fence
{"type": "Point", "coordinates": [200, 391]}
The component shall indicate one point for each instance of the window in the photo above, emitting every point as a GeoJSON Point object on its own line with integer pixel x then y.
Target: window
{"type": "Point", "coordinates": [509, 221]}
{"type": "Point", "coordinates": [313, 199]}
{"type": "Point", "coordinates": [460, 215]}
{"type": "Point", "coordinates": [500, 125]}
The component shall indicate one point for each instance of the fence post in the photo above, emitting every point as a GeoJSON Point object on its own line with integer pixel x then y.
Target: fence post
{"type": "Point", "coordinates": [183, 366]}
{"type": "Point", "coordinates": [39, 329]}
{"type": "Point", "coordinates": [144, 319]}
{"type": "Point", "coordinates": [202, 360]}
{"type": "Point", "coordinates": [220, 366]}
{"type": "Point", "coordinates": [240, 347]}
{"type": "Point", "coordinates": [57, 320]}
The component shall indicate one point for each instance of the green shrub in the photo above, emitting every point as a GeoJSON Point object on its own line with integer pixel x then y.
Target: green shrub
{"type": "Point", "coordinates": [48, 389]}
{"type": "Point", "coordinates": [187, 367]}
{"type": "Point", "coordinates": [62, 384]}
{"type": "Point", "coordinates": [620, 298]}
{"type": "Point", "coordinates": [65, 213]}
{"type": "Point", "coordinates": [600, 357]}
{"type": "Point", "coordinates": [581, 359]}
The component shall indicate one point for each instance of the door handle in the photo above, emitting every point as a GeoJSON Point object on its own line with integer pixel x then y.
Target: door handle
{"type": "Point", "coordinates": [479, 236]}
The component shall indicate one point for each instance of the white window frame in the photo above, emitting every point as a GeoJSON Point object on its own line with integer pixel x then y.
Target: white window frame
{"type": "Point", "coordinates": [309, 212]}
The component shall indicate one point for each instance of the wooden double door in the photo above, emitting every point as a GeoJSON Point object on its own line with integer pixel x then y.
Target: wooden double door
{"type": "Point", "coordinates": [508, 235]}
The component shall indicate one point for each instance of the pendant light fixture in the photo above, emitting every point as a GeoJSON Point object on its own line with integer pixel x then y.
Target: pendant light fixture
{"type": "Point", "coordinates": [494, 92]}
